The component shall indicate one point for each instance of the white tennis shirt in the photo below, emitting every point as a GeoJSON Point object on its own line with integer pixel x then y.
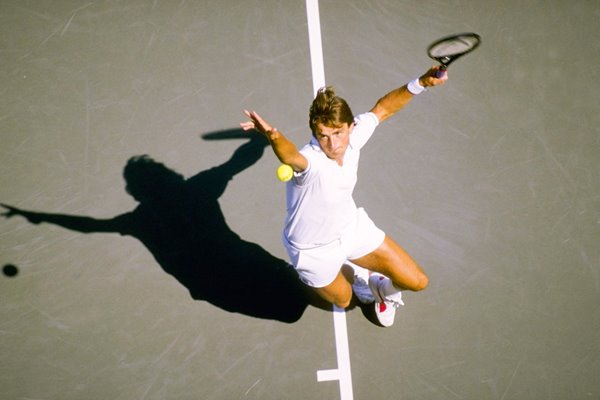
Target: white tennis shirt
{"type": "Point", "coordinates": [320, 205]}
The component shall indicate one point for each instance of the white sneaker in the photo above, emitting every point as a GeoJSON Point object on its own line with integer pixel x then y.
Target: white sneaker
{"type": "Point", "coordinates": [385, 306]}
{"type": "Point", "coordinates": [360, 286]}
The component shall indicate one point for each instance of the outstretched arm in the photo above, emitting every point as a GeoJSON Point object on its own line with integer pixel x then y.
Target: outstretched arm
{"type": "Point", "coordinates": [73, 222]}
{"type": "Point", "coordinates": [395, 100]}
{"type": "Point", "coordinates": [284, 149]}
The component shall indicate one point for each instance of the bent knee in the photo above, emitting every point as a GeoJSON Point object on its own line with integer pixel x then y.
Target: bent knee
{"type": "Point", "coordinates": [342, 302]}
{"type": "Point", "coordinates": [341, 299]}
{"type": "Point", "coordinates": [422, 283]}
{"type": "Point", "coordinates": [343, 305]}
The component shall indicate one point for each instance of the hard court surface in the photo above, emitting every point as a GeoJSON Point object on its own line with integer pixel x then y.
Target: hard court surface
{"type": "Point", "coordinates": [491, 183]}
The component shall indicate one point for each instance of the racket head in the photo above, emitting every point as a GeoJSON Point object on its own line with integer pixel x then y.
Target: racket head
{"type": "Point", "coordinates": [449, 48]}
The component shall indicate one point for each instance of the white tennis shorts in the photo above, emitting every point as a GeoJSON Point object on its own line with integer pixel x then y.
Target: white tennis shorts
{"type": "Point", "coordinates": [318, 266]}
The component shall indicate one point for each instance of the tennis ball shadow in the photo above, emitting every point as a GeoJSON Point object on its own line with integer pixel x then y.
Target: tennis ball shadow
{"type": "Point", "coordinates": [10, 270]}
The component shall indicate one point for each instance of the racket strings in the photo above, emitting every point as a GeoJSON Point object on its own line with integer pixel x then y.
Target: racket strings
{"type": "Point", "coordinates": [452, 47]}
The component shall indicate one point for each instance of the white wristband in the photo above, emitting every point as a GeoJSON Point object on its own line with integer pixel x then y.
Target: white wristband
{"type": "Point", "coordinates": [415, 87]}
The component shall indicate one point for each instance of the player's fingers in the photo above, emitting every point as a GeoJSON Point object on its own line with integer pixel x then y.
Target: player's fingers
{"type": "Point", "coordinates": [442, 79]}
{"type": "Point", "coordinates": [247, 125]}
{"type": "Point", "coordinates": [257, 118]}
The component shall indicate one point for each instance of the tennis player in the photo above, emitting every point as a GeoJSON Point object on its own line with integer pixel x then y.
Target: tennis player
{"type": "Point", "coordinates": [324, 229]}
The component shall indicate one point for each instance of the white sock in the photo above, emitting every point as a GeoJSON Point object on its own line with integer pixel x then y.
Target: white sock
{"type": "Point", "coordinates": [389, 288]}
{"type": "Point", "coordinates": [359, 271]}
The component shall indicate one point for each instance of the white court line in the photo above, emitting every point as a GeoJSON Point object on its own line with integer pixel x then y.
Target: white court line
{"type": "Point", "coordinates": [314, 41]}
{"type": "Point", "coordinates": [342, 372]}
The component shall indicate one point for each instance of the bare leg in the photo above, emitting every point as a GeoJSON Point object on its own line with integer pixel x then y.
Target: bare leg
{"type": "Point", "coordinates": [338, 292]}
{"type": "Point", "coordinates": [392, 261]}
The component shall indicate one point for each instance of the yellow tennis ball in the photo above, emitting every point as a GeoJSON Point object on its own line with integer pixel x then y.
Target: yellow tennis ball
{"type": "Point", "coordinates": [284, 173]}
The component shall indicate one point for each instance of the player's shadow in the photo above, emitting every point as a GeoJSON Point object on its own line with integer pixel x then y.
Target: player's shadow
{"type": "Point", "coordinates": [181, 223]}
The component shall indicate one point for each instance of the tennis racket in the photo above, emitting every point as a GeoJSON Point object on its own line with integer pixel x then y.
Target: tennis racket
{"type": "Point", "coordinates": [450, 48]}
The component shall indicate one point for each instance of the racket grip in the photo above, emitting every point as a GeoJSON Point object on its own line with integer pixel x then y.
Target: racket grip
{"type": "Point", "coordinates": [441, 72]}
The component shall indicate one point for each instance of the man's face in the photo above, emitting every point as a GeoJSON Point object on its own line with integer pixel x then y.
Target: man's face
{"type": "Point", "coordinates": [334, 140]}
